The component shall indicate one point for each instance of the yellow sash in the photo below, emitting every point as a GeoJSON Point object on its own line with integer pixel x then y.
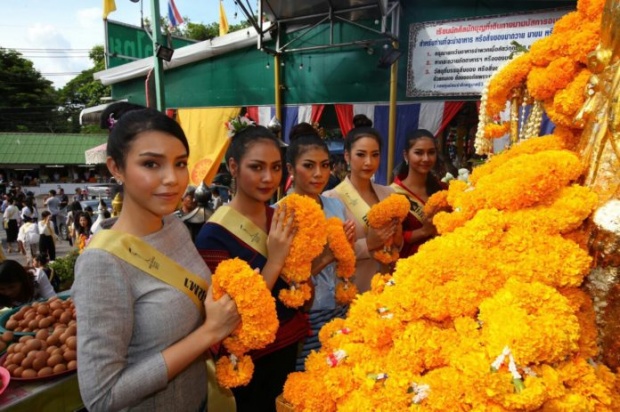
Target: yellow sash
{"type": "Point", "coordinates": [145, 257]}
{"type": "Point", "coordinates": [417, 207]}
{"type": "Point", "coordinates": [353, 201]}
{"type": "Point", "coordinates": [242, 227]}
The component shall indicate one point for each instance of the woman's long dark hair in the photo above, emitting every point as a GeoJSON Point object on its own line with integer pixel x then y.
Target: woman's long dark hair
{"type": "Point", "coordinates": [432, 183]}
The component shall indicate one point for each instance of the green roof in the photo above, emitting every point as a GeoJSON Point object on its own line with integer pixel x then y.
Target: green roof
{"type": "Point", "coordinates": [46, 149]}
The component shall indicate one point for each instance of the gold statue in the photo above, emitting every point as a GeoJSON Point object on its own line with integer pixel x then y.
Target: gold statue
{"type": "Point", "coordinates": [600, 151]}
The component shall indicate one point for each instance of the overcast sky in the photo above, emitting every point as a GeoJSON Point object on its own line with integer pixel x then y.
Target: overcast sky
{"type": "Point", "coordinates": [56, 35]}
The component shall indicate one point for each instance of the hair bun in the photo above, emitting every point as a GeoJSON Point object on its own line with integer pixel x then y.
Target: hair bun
{"type": "Point", "coordinates": [361, 120]}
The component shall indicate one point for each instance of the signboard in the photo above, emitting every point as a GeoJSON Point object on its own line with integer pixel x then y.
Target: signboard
{"type": "Point", "coordinates": [127, 43]}
{"type": "Point", "coordinates": [456, 57]}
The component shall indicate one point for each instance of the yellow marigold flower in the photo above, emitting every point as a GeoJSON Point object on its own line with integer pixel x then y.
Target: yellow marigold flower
{"type": "Point", "coordinates": [502, 84]}
{"type": "Point", "coordinates": [581, 303]}
{"type": "Point", "coordinates": [529, 146]}
{"type": "Point", "coordinates": [533, 320]}
{"type": "Point", "coordinates": [232, 374]}
{"type": "Point", "coordinates": [561, 213]}
{"type": "Point", "coordinates": [437, 202]}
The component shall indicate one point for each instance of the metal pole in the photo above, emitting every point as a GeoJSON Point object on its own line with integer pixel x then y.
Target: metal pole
{"type": "Point", "coordinates": [392, 119]}
{"type": "Point", "coordinates": [158, 65]}
{"type": "Point", "coordinates": [276, 85]}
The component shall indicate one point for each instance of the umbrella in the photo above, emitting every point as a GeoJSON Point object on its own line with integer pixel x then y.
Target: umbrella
{"type": "Point", "coordinates": [96, 155]}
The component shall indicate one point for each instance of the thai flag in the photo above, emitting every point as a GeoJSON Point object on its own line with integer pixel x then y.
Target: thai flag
{"type": "Point", "coordinates": [173, 14]}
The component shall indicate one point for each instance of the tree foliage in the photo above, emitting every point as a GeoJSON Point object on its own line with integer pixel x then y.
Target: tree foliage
{"type": "Point", "coordinates": [27, 99]}
{"type": "Point", "coordinates": [84, 91]}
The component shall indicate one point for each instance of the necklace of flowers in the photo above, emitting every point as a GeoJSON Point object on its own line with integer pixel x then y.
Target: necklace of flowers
{"type": "Point", "coordinates": [345, 258]}
{"type": "Point", "coordinates": [393, 207]}
{"type": "Point", "coordinates": [259, 321]}
{"type": "Point", "coordinates": [308, 243]}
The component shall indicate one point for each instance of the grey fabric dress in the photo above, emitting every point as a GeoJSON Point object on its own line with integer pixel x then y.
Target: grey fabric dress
{"type": "Point", "coordinates": [126, 318]}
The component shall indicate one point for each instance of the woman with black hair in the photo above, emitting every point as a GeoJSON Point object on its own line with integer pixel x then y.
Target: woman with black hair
{"type": "Point", "coordinates": [362, 152]}
{"type": "Point", "coordinates": [249, 229]}
{"type": "Point", "coordinates": [142, 331]}
{"type": "Point", "coordinates": [415, 179]}
{"type": "Point", "coordinates": [307, 159]}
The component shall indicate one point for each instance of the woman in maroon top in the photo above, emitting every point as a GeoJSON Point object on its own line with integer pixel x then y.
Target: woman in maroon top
{"type": "Point", "coordinates": [416, 180]}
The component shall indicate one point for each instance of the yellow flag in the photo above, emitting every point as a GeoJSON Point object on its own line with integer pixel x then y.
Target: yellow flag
{"type": "Point", "coordinates": [223, 20]}
{"type": "Point", "coordinates": [208, 140]}
{"type": "Point", "coordinates": [108, 7]}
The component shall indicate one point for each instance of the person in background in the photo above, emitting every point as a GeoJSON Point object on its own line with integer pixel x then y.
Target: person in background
{"type": "Point", "coordinates": [308, 161]}
{"type": "Point", "coordinates": [255, 163]}
{"type": "Point", "coordinates": [82, 229]}
{"type": "Point", "coordinates": [40, 264]}
{"type": "Point", "coordinates": [78, 196]}
{"type": "Point", "coordinates": [362, 152]}
{"type": "Point", "coordinates": [416, 180]}
{"type": "Point", "coordinates": [46, 236]}
{"type": "Point", "coordinates": [140, 356]}
{"type": "Point", "coordinates": [30, 209]}
{"type": "Point", "coordinates": [63, 198]}
{"type": "Point", "coordinates": [192, 216]}
{"type": "Point", "coordinates": [19, 286]}
{"type": "Point", "coordinates": [29, 237]}
{"type": "Point", "coordinates": [337, 166]}
{"type": "Point", "coordinates": [74, 209]}
{"type": "Point", "coordinates": [53, 206]}
{"type": "Point", "coordinates": [11, 225]}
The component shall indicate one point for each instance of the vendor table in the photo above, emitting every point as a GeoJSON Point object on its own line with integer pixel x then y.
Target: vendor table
{"type": "Point", "coordinates": [60, 394]}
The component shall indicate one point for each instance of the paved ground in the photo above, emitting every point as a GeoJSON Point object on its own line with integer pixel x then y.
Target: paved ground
{"type": "Point", "coordinates": [62, 248]}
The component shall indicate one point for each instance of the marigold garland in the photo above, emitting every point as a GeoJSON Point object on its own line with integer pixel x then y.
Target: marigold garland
{"type": "Point", "coordinates": [345, 260]}
{"type": "Point", "coordinates": [308, 243]}
{"type": "Point", "coordinates": [393, 207]}
{"type": "Point", "coordinates": [259, 321]}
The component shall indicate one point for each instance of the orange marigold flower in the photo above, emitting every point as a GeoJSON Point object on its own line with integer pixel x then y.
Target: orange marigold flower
{"type": "Point", "coordinates": [341, 248]}
{"type": "Point", "coordinates": [296, 295]}
{"type": "Point", "coordinates": [346, 292]}
{"type": "Point", "coordinates": [496, 130]}
{"type": "Point", "coordinates": [232, 372]}
{"type": "Point", "coordinates": [393, 207]}
{"type": "Point", "coordinates": [544, 82]}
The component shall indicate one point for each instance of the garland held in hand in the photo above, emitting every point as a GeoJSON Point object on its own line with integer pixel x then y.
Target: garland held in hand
{"type": "Point", "coordinates": [308, 242]}
{"type": "Point", "coordinates": [345, 256]}
{"type": "Point", "coordinates": [259, 321]}
{"type": "Point", "coordinates": [393, 207]}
